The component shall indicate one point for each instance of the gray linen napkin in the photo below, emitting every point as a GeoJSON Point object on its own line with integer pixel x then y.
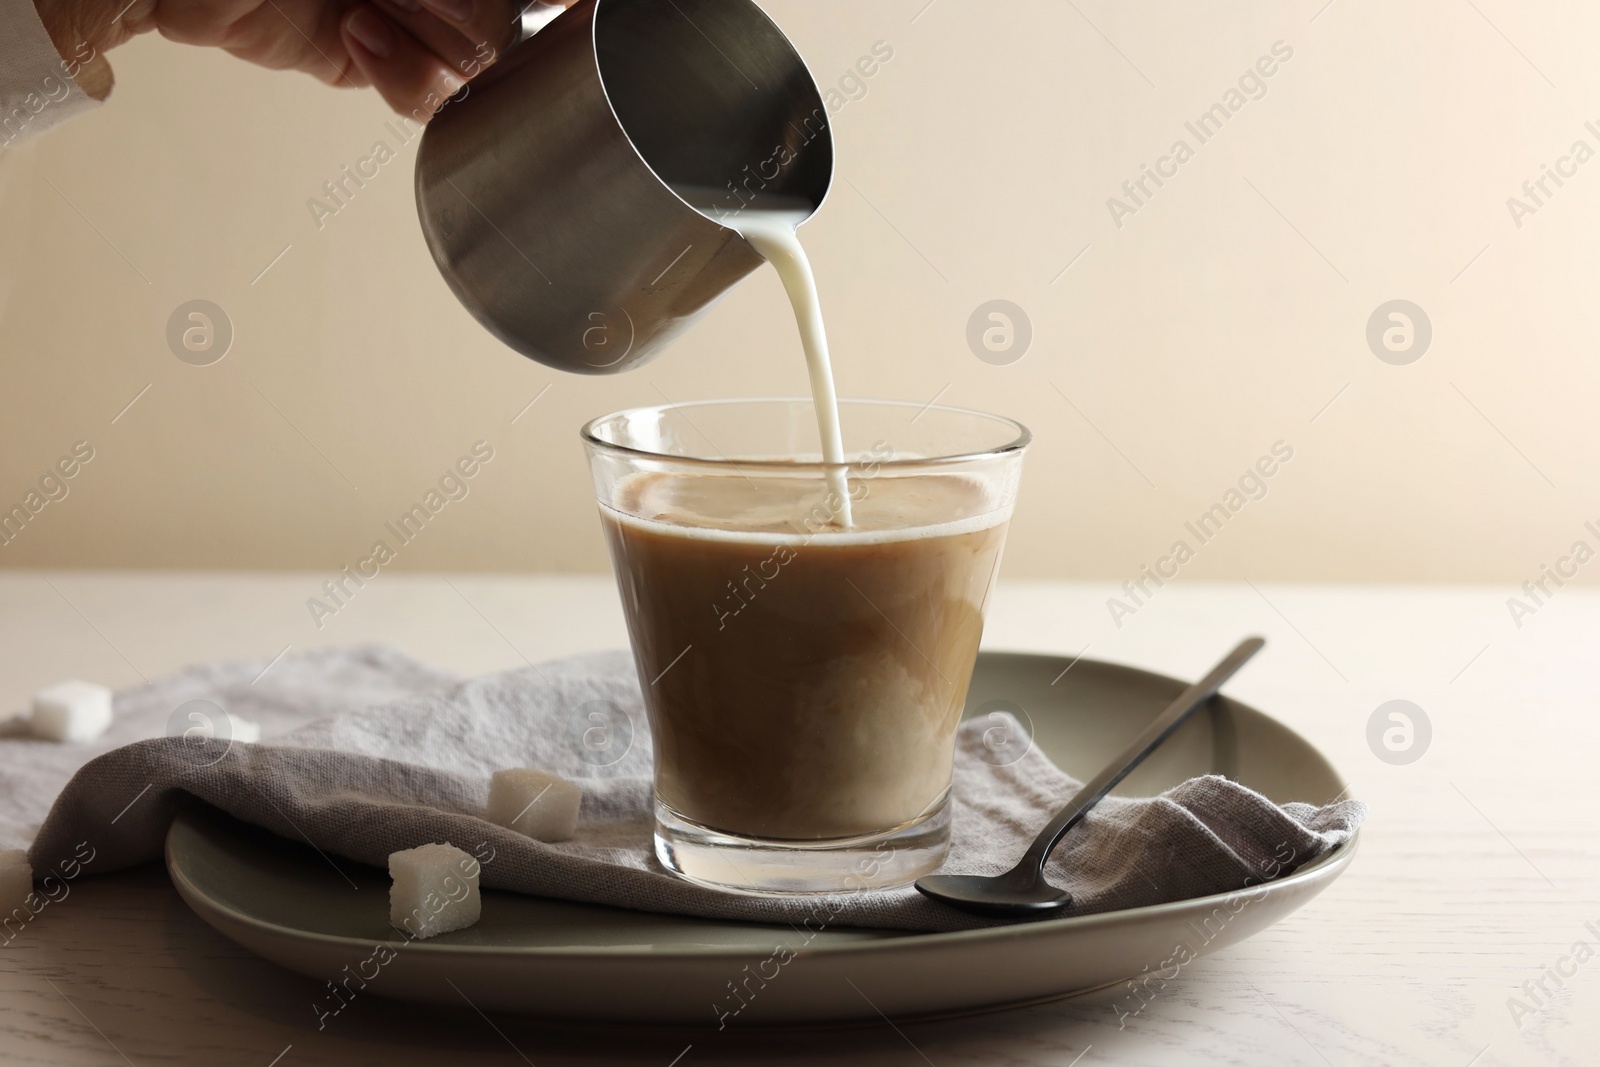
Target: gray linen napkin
{"type": "Point", "coordinates": [370, 780]}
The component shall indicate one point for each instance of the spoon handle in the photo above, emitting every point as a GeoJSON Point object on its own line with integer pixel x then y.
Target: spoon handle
{"type": "Point", "coordinates": [1177, 713]}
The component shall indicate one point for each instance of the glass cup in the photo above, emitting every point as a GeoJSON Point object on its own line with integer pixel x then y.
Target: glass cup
{"type": "Point", "coordinates": [804, 632]}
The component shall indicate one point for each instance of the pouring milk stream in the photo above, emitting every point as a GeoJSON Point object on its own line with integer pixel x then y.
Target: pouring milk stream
{"type": "Point", "coordinates": [774, 232]}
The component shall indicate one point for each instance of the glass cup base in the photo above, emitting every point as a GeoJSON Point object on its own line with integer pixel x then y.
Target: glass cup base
{"type": "Point", "coordinates": [730, 863]}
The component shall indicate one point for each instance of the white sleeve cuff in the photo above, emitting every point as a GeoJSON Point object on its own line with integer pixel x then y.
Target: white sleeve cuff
{"type": "Point", "coordinates": [36, 86]}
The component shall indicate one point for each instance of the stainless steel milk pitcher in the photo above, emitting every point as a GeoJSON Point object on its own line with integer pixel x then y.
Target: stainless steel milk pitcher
{"type": "Point", "coordinates": [555, 194]}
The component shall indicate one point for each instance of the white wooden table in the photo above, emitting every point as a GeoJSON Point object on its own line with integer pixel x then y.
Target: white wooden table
{"type": "Point", "coordinates": [1479, 868]}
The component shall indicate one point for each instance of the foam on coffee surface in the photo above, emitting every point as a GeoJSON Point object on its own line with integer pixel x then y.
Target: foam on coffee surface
{"type": "Point", "coordinates": [766, 509]}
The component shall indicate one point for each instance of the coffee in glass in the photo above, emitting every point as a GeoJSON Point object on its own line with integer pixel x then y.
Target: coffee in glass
{"type": "Point", "coordinates": [804, 676]}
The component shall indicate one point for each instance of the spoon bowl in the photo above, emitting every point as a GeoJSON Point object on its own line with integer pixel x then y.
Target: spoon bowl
{"type": "Point", "coordinates": [980, 893]}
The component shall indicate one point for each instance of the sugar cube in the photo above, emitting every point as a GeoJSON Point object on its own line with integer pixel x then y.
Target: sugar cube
{"type": "Point", "coordinates": [16, 880]}
{"type": "Point", "coordinates": [435, 890]}
{"type": "Point", "coordinates": [534, 803]}
{"type": "Point", "coordinates": [243, 729]}
{"type": "Point", "coordinates": [71, 711]}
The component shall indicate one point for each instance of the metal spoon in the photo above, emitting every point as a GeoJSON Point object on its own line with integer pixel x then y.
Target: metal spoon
{"type": "Point", "coordinates": [1023, 891]}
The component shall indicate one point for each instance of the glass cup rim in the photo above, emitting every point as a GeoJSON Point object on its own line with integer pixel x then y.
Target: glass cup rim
{"type": "Point", "coordinates": [1019, 443]}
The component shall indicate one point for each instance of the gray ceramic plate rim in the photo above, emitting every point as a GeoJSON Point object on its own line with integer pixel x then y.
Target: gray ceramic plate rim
{"type": "Point", "coordinates": [1326, 866]}
{"type": "Point", "coordinates": [1320, 870]}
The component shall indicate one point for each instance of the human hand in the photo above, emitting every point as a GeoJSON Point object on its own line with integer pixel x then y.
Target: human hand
{"type": "Point", "coordinates": [417, 53]}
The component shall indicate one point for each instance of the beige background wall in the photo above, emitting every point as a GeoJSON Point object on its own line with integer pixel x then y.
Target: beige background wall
{"type": "Point", "coordinates": [1222, 317]}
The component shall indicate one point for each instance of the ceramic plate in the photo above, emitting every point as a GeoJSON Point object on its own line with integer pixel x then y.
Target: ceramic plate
{"type": "Point", "coordinates": [278, 898]}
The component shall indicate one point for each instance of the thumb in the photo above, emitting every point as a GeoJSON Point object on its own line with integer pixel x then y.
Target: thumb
{"type": "Point", "coordinates": [93, 76]}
